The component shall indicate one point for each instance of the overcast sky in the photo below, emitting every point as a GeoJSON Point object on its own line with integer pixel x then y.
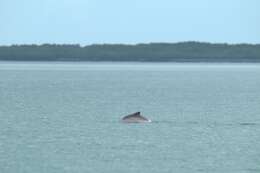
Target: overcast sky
{"type": "Point", "coordinates": [128, 21]}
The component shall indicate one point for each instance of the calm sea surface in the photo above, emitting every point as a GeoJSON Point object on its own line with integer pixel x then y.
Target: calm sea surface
{"type": "Point", "coordinates": [64, 118]}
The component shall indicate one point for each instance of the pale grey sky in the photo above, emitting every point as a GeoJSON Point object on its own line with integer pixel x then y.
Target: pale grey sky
{"type": "Point", "coordinates": [128, 21]}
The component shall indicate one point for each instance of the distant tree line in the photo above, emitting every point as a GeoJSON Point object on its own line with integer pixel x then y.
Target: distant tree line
{"type": "Point", "coordinates": [155, 52]}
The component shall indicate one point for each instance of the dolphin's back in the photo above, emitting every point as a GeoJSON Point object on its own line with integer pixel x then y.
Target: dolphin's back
{"type": "Point", "coordinates": [135, 118]}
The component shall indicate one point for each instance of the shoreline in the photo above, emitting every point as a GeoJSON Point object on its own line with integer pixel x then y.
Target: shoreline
{"type": "Point", "coordinates": [133, 62]}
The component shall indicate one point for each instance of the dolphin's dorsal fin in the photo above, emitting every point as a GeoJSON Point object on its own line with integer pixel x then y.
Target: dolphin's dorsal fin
{"type": "Point", "coordinates": [136, 114]}
{"type": "Point", "coordinates": [135, 118]}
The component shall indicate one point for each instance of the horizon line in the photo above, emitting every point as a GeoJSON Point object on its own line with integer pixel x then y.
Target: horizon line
{"type": "Point", "coordinates": [130, 44]}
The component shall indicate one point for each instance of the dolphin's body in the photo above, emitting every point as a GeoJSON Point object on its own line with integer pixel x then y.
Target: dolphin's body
{"type": "Point", "coordinates": [135, 118]}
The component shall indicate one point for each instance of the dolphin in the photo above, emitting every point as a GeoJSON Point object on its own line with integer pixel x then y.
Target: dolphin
{"type": "Point", "coordinates": [135, 118]}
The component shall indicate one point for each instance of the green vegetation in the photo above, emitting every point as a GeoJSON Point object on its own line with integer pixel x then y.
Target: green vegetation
{"type": "Point", "coordinates": [172, 52]}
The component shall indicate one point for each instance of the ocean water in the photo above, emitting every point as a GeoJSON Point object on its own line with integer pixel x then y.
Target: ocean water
{"type": "Point", "coordinates": [64, 117]}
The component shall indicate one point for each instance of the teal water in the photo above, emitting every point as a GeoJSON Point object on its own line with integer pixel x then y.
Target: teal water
{"type": "Point", "coordinates": [64, 117]}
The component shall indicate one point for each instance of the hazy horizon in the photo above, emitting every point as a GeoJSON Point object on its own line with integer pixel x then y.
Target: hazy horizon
{"type": "Point", "coordinates": [88, 22]}
{"type": "Point", "coordinates": [132, 44]}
